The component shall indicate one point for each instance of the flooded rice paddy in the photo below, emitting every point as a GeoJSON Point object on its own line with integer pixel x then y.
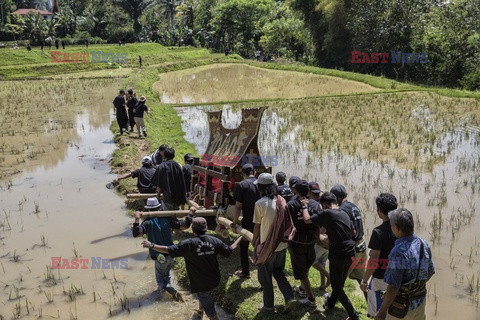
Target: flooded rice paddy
{"type": "Point", "coordinates": [423, 148]}
{"type": "Point", "coordinates": [57, 206]}
{"type": "Point", "coordinates": [232, 82]}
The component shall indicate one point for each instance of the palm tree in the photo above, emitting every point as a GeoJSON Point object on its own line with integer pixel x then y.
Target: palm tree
{"type": "Point", "coordinates": [134, 8]}
{"type": "Point", "coordinates": [169, 10]}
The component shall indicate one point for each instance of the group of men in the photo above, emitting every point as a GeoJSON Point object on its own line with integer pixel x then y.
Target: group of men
{"type": "Point", "coordinates": [130, 111]}
{"type": "Point", "coordinates": [329, 226]}
{"type": "Point", "coordinates": [314, 226]}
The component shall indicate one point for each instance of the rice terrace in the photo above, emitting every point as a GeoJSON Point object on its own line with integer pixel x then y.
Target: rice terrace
{"type": "Point", "coordinates": [148, 184]}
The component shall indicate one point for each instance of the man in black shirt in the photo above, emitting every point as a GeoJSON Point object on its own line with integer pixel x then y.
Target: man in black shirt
{"type": "Point", "coordinates": [354, 213]}
{"type": "Point", "coordinates": [246, 194]}
{"type": "Point", "coordinates": [381, 243]}
{"type": "Point", "coordinates": [302, 246]}
{"type": "Point", "coordinates": [169, 179]}
{"type": "Point", "coordinates": [283, 189]}
{"type": "Point", "coordinates": [187, 171]}
{"type": "Point", "coordinates": [342, 249]}
{"type": "Point", "coordinates": [121, 112]}
{"type": "Point", "coordinates": [200, 255]}
{"type": "Point", "coordinates": [158, 231]}
{"type": "Point", "coordinates": [131, 103]}
{"type": "Point", "coordinates": [144, 176]}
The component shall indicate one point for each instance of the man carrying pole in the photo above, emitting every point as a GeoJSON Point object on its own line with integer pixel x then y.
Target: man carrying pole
{"type": "Point", "coordinates": [158, 231]}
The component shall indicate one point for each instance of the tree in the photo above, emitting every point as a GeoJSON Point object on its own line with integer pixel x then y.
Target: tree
{"type": "Point", "coordinates": [285, 35]}
{"type": "Point", "coordinates": [238, 24]}
{"type": "Point", "coordinates": [134, 9]}
{"type": "Point", "coordinates": [169, 10]}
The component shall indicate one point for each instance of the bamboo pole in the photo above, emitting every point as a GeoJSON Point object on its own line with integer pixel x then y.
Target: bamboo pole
{"type": "Point", "coordinates": [137, 196]}
{"type": "Point", "coordinates": [179, 213]}
{"type": "Point", "coordinates": [243, 232]}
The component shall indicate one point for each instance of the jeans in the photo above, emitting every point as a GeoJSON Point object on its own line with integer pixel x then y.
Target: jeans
{"type": "Point", "coordinates": [206, 301]}
{"type": "Point", "coordinates": [274, 266]}
{"type": "Point", "coordinates": [338, 275]}
{"type": "Point", "coordinates": [162, 275]}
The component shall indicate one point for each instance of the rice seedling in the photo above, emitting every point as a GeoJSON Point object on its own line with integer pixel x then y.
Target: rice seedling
{"type": "Point", "coordinates": [49, 295]}
{"type": "Point", "coordinates": [43, 240]}
{"type": "Point", "coordinates": [75, 252]}
{"type": "Point", "coordinates": [37, 207]}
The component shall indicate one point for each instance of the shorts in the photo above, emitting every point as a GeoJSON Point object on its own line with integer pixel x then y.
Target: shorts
{"type": "Point", "coordinates": [374, 295]}
{"type": "Point", "coordinates": [321, 255]}
{"type": "Point", "coordinates": [302, 258]}
{"type": "Point", "coordinates": [206, 301]}
{"type": "Point", "coordinates": [357, 273]}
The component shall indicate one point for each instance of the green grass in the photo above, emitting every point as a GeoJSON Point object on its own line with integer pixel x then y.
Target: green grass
{"type": "Point", "coordinates": [241, 297]}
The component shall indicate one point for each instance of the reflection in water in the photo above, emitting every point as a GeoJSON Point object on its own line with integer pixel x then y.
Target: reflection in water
{"type": "Point", "coordinates": [229, 82]}
{"type": "Point", "coordinates": [41, 122]}
{"type": "Point", "coordinates": [65, 211]}
{"type": "Point", "coordinates": [444, 201]}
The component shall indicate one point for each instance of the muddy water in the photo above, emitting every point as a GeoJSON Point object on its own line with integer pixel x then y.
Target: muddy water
{"type": "Point", "coordinates": [444, 201]}
{"type": "Point", "coordinates": [230, 82]}
{"type": "Point", "coordinates": [61, 208]}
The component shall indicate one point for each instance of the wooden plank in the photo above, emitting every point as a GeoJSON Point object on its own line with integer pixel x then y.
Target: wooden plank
{"type": "Point", "coordinates": [178, 213]}
{"type": "Point", "coordinates": [137, 196]}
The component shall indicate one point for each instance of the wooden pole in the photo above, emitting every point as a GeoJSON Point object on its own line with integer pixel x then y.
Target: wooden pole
{"type": "Point", "coordinates": [243, 232]}
{"type": "Point", "coordinates": [178, 213]}
{"type": "Point", "coordinates": [137, 196]}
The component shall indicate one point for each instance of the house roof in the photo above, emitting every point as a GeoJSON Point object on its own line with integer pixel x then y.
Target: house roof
{"type": "Point", "coordinates": [27, 11]}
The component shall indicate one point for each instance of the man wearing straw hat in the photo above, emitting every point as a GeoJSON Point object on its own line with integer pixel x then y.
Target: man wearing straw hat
{"type": "Point", "coordinates": [139, 110]}
{"type": "Point", "coordinates": [158, 231]}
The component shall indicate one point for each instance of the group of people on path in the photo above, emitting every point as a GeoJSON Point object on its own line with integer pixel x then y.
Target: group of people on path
{"type": "Point", "coordinates": [314, 226]}
{"type": "Point", "coordinates": [130, 111]}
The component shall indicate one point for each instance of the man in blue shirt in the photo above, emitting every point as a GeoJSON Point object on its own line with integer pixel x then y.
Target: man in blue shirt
{"type": "Point", "coordinates": [158, 231]}
{"type": "Point", "coordinates": [410, 266]}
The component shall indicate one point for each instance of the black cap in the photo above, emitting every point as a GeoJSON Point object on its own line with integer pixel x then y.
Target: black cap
{"type": "Point", "coordinates": [339, 191]}
{"type": "Point", "coordinates": [188, 157]}
{"type": "Point", "coordinates": [293, 180]}
{"type": "Point", "coordinates": [314, 187]}
{"type": "Point", "coordinates": [302, 187]}
{"type": "Point", "coordinates": [199, 225]}
{"type": "Point", "coordinates": [247, 168]}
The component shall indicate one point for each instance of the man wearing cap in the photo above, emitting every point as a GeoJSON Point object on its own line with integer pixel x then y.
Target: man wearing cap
{"type": "Point", "coordinates": [342, 249]}
{"type": "Point", "coordinates": [144, 176]}
{"type": "Point", "coordinates": [360, 245]}
{"type": "Point", "coordinates": [187, 171]}
{"type": "Point", "coordinates": [200, 253]}
{"type": "Point", "coordinates": [321, 247]}
{"type": "Point", "coordinates": [246, 194]}
{"type": "Point", "coordinates": [272, 224]}
{"type": "Point", "coordinates": [169, 179]}
{"type": "Point", "coordinates": [302, 246]}
{"type": "Point", "coordinates": [283, 189]}
{"type": "Point", "coordinates": [158, 231]}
